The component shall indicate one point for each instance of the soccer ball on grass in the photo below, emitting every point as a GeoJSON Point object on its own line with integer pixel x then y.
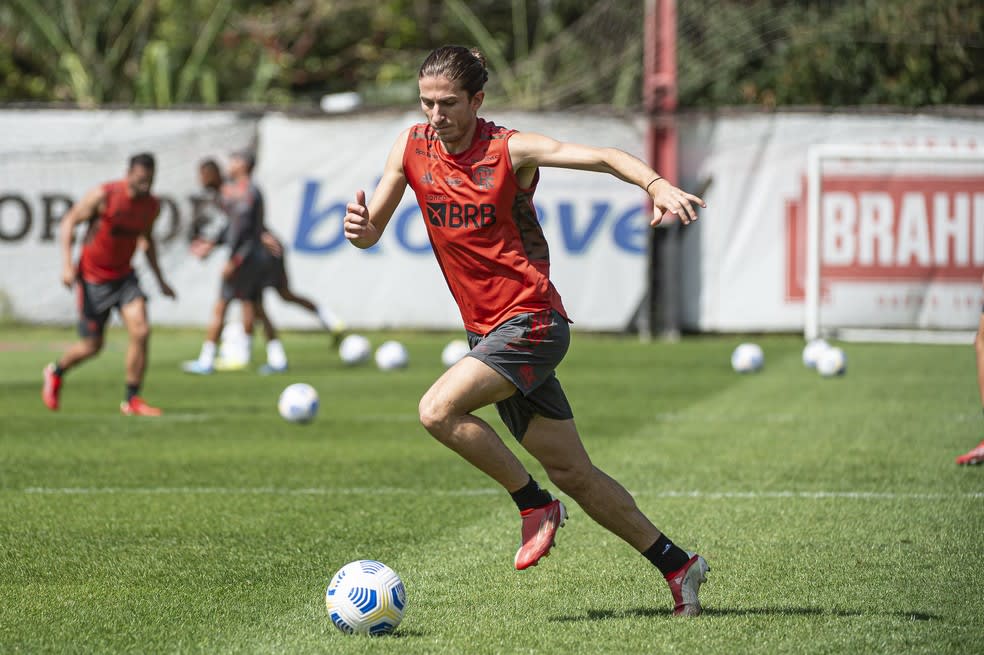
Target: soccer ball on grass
{"type": "Point", "coordinates": [298, 403]}
{"type": "Point", "coordinates": [832, 362]}
{"type": "Point", "coordinates": [812, 352]}
{"type": "Point", "coordinates": [392, 355]}
{"type": "Point", "coordinates": [454, 352]}
{"type": "Point", "coordinates": [366, 597]}
{"type": "Point", "coordinates": [747, 358]}
{"type": "Point", "coordinates": [354, 349]}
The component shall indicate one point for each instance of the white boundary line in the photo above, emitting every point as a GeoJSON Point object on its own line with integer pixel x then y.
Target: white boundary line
{"type": "Point", "coordinates": [390, 491]}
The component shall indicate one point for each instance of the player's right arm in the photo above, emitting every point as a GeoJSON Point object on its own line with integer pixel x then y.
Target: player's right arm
{"type": "Point", "coordinates": [82, 211]}
{"type": "Point", "coordinates": [364, 224]}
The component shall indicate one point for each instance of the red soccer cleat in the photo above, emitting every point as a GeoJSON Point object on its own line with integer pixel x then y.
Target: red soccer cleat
{"type": "Point", "coordinates": [137, 407]}
{"type": "Point", "coordinates": [51, 388]}
{"type": "Point", "coordinates": [975, 456]}
{"type": "Point", "coordinates": [685, 584]}
{"type": "Point", "coordinates": [539, 529]}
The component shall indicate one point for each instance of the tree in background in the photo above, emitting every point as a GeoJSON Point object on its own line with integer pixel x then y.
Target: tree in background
{"type": "Point", "coordinates": [906, 53]}
{"type": "Point", "coordinates": [544, 54]}
{"type": "Point", "coordinates": [150, 52]}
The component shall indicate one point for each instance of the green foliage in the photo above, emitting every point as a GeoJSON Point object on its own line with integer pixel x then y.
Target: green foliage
{"type": "Point", "coordinates": [831, 511]}
{"type": "Point", "coordinates": [909, 54]}
{"type": "Point", "coordinates": [541, 54]}
{"type": "Point", "coordinates": [884, 52]}
{"type": "Point", "coordinates": [126, 51]}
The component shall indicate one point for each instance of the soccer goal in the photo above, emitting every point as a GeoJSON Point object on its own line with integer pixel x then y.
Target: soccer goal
{"type": "Point", "coordinates": [895, 242]}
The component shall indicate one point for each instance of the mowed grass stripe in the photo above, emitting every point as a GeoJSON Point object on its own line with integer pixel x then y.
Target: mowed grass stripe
{"type": "Point", "coordinates": [830, 510]}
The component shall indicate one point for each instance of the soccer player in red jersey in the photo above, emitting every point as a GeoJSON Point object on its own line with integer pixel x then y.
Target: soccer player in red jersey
{"type": "Point", "coordinates": [976, 455]}
{"type": "Point", "coordinates": [120, 216]}
{"type": "Point", "coordinates": [474, 182]}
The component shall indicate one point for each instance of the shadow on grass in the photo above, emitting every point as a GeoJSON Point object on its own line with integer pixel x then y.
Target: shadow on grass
{"type": "Point", "coordinates": [404, 633]}
{"type": "Point", "coordinates": [650, 612]}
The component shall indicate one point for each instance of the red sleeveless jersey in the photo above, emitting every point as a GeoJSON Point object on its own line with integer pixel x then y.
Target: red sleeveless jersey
{"type": "Point", "coordinates": [110, 242]}
{"type": "Point", "coordinates": [482, 226]}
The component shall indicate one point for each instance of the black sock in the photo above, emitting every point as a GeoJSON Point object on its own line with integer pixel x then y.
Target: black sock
{"type": "Point", "coordinates": [58, 370]}
{"type": "Point", "coordinates": [530, 496]}
{"type": "Point", "coordinates": [131, 391]}
{"type": "Point", "coordinates": [665, 555]}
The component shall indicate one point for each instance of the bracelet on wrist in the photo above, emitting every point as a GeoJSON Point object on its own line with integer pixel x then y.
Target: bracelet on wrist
{"type": "Point", "coordinates": [658, 177]}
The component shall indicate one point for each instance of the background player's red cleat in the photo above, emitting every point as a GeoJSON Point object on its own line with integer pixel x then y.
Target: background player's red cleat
{"type": "Point", "coordinates": [51, 388]}
{"type": "Point", "coordinates": [685, 585]}
{"type": "Point", "coordinates": [539, 529]}
{"type": "Point", "coordinates": [975, 456]}
{"type": "Point", "coordinates": [137, 407]}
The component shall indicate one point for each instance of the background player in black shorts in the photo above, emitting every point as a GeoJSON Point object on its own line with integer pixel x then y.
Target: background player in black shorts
{"type": "Point", "coordinates": [233, 214]}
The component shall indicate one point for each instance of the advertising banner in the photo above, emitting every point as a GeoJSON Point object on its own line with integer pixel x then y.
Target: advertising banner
{"type": "Point", "coordinates": [900, 245]}
{"type": "Point", "coordinates": [901, 242]}
{"type": "Point", "coordinates": [308, 169]}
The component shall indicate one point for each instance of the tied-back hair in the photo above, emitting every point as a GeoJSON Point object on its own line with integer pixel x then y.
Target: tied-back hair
{"type": "Point", "coordinates": [466, 66]}
{"type": "Point", "coordinates": [144, 159]}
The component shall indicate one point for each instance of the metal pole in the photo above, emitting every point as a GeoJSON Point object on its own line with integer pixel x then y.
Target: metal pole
{"type": "Point", "coordinates": [660, 99]}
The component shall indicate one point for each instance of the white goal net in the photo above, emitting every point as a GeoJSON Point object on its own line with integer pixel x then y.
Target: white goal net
{"type": "Point", "coordinates": [895, 242]}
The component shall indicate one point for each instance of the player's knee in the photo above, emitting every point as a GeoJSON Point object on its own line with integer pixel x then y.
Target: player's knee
{"type": "Point", "coordinates": [140, 331]}
{"type": "Point", "coordinates": [91, 345]}
{"type": "Point", "coordinates": [433, 415]}
{"type": "Point", "coordinates": [979, 341]}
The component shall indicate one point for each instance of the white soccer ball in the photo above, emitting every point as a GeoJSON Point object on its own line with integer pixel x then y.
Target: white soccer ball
{"type": "Point", "coordinates": [391, 355]}
{"type": "Point", "coordinates": [354, 349]}
{"type": "Point", "coordinates": [366, 597]}
{"type": "Point", "coordinates": [832, 362]}
{"type": "Point", "coordinates": [747, 358]}
{"type": "Point", "coordinates": [298, 403]}
{"type": "Point", "coordinates": [812, 351]}
{"type": "Point", "coordinates": [454, 352]}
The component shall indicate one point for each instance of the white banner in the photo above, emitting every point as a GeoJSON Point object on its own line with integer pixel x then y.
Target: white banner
{"type": "Point", "coordinates": [742, 263]}
{"type": "Point", "coordinates": [751, 239]}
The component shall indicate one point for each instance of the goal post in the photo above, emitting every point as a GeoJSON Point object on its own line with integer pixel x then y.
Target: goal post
{"type": "Point", "coordinates": [894, 242]}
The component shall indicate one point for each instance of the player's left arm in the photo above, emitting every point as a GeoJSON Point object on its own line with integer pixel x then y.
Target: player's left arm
{"type": "Point", "coordinates": [528, 150]}
{"type": "Point", "coordinates": [149, 246]}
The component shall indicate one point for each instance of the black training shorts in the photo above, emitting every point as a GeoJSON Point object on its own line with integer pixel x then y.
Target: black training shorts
{"type": "Point", "coordinates": [251, 276]}
{"type": "Point", "coordinates": [97, 300]}
{"type": "Point", "coordinates": [525, 350]}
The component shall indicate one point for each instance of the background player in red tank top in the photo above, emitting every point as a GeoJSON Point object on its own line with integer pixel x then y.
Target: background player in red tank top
{"type": "Point", "coordinates": [511, 364]}
{"type": "Point", "coordinates": [120, 216]}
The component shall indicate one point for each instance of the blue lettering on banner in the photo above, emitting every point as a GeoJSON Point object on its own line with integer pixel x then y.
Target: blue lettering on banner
{"type": "Point", "coordinates": [631, 231]}
{"type": "Point", "coordinates": [311, 217]}
{"type": "Point", "coordinates": [574, 241]}
{"type": "Point", "coordinates": [320, 227]}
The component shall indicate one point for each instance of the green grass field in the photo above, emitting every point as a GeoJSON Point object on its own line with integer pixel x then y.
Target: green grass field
{"type": "Point", "coordinates": [831, 511]}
